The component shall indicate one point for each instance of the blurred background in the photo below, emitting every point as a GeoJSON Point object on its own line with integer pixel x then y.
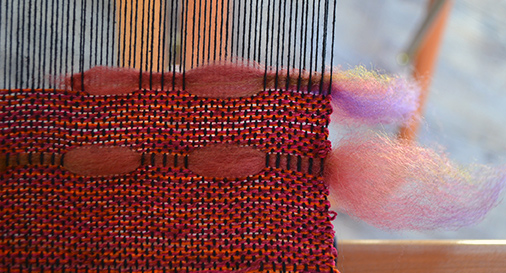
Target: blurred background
{"type": "Point", "coordinates": [466, 108]}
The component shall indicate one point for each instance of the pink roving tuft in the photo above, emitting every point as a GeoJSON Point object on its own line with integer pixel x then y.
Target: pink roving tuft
{"type": "Point", "coordinates": [397, 185]}
{"type": "Point", "coordinates": [95, 160]}
{"type": "Point", "coordinates": [298, 79]}
{"type": "Point", "coordinates": [110, 80]}
{"type": "Point", "coordinates": [369, 97]}
{"type": "Point", "coordinates": [225, 80]}
{"type": "Point", "coordinates": [359, 95]}
{"type": "Point", "coordinates": [226, 161]}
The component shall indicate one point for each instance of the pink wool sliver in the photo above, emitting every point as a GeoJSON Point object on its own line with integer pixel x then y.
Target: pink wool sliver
{"type": "Point", "coordinates": [397, 185]}
{"type": "Point", "coordinates": [366, 96]}
{"type": "Point", "coordinates": [360, 95]}
{"type": "Point", "coordinates": [109, 80]}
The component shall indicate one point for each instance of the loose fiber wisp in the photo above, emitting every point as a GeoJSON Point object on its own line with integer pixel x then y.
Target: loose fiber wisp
{"type": "Point", "coordinates": [393, 184]}
{"type": "Point", "coordinates": [366, 96]}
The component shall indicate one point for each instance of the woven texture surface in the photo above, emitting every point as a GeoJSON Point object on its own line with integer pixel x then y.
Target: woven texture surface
{"type": "Point", "coordinates": [163, 217]}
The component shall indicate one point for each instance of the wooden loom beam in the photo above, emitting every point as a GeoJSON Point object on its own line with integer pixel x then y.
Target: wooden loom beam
{"type": "Point", "coordinates": [203, 38]}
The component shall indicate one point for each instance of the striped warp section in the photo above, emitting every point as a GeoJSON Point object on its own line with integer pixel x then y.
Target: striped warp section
{"type": "Point", "coordinates": [163, 218]}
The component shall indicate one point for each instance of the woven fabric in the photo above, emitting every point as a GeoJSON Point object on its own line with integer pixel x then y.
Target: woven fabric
{"type": "Point", "coordinates": [163, 217]}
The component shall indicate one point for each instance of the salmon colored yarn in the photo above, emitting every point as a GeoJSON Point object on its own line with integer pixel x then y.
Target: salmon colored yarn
{"type": "Point", "coordinates": [399, 185]}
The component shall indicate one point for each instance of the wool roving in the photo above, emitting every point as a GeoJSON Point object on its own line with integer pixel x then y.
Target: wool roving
{"type": "Point", "coordinates": [366, 96]}
{"type": "Point", "coordinates": [96, 160]}
{"type": "Point", "coordinates": [360, 95]}
{"type": "Point", "coordinates": [399, 185]}
{"type": "Point", "coordinates": [109, 80]}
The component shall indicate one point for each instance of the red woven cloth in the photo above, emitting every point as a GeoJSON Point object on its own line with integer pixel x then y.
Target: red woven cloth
{"type": "Point", "coordinates": [163, 217]}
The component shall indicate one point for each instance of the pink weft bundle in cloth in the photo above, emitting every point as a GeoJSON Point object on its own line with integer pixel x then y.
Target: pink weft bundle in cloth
{"type": "Point", "coordinates": [224, 168]}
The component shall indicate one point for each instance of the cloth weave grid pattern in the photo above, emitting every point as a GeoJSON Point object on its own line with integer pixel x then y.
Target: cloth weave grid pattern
{"type": "Point", "coordinates": [164, 218]}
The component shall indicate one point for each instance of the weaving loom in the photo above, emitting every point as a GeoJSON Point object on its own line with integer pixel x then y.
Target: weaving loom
{"type": "Point", "coordinates": [191, 136]}
{"type": "Point", "coordinates": [105, 168]}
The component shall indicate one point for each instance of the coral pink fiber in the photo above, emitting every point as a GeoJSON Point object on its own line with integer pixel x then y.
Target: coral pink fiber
{"type": "Point", "coordinates": [397, 185]}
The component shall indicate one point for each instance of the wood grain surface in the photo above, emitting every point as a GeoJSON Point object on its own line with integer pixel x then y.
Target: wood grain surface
{"type": "Point", "coordinates": [477, 256]}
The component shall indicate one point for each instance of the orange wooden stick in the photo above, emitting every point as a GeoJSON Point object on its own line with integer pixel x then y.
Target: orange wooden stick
{"type": "Point", "coordinates": [424, 64]}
